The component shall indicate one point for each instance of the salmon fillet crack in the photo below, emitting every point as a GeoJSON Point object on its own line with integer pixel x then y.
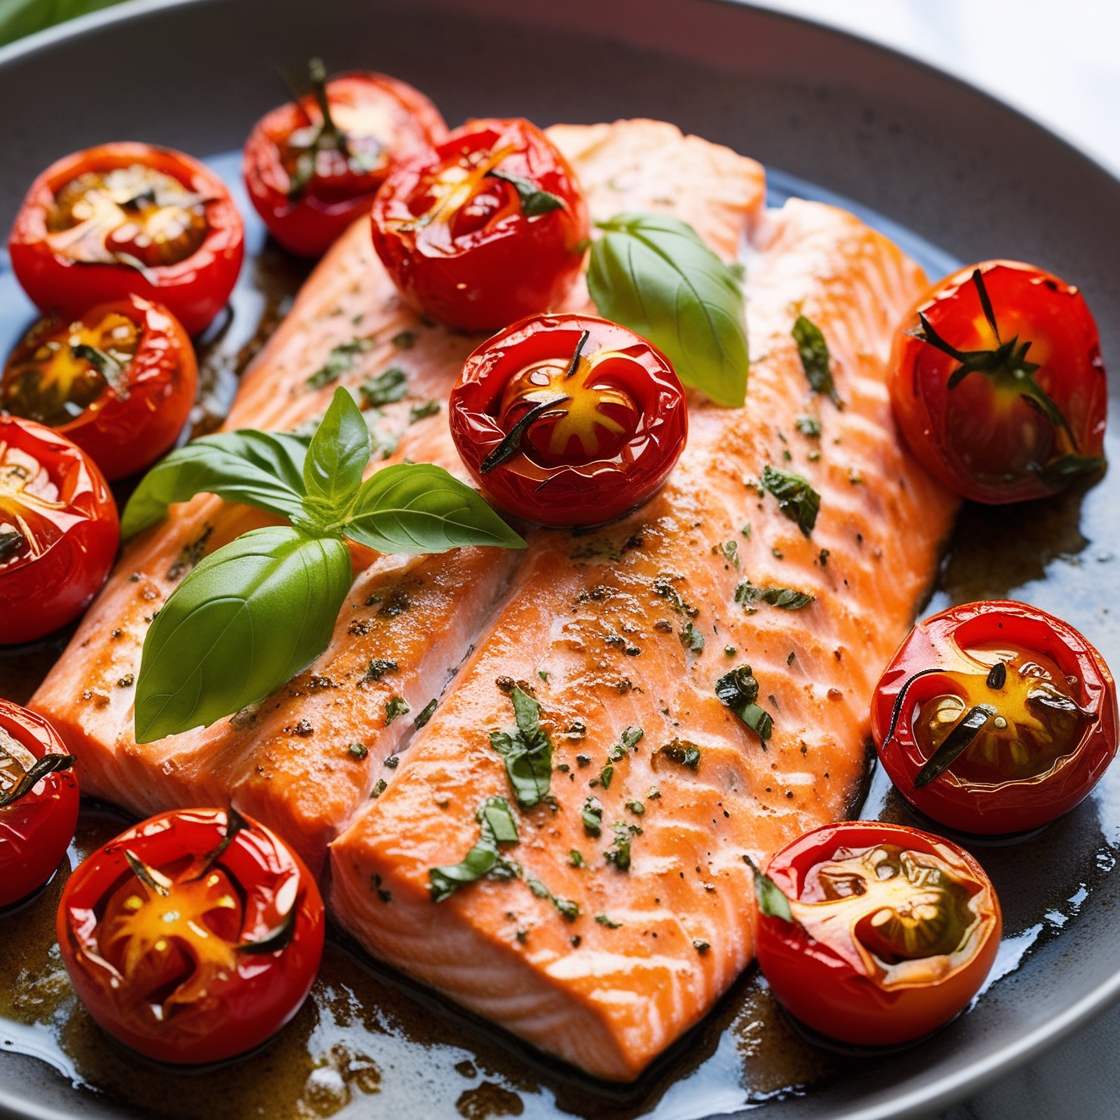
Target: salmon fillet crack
{"type": "Point", "coordinates": [627, 913]}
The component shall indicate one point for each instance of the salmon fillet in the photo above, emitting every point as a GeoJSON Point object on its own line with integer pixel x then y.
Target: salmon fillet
{"type": "Point", "coordinates": [289, 762]}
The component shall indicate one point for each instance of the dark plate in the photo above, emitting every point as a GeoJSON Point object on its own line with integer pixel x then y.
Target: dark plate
{"type": "Point", "coordinates": [954, 168]}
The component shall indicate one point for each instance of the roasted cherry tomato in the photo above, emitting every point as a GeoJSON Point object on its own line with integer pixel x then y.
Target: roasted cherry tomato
{"type": "Point", "coordinates": [128, 219]}
{"type": "Point", "coordinates": [313, 166]}
{"type": "Point", "coordinates": [997, 383]}
{"type": "Point", "coordinates": [875, 934]}
{"type": "Point", "coordinates": [194, 936]}
{"type": "Point", "coordinates": [120, 381]}
{"type": "Point", "coordinates": [485, 228]}
{"type": "Point", "coordinates": [38, 802]}
{"type": "Point", "coordinates": [58, 530]}
{"type": "Point", "coordinates": [995, 717]}
{"type": "Point", "coordinates": [568, 420]}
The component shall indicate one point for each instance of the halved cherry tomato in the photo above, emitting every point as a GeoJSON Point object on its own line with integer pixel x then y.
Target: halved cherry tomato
{"type": "Point", "coordinates": [995, 717]}
{"type": "Point", "coordinates": [485, 228]}
{"type": "Point", "coordinates": [120, 381]}
{"type": "Point", "coordinates": [128, 219]}
{"type": "Point", "coordinates": [568, 419]}
{"type": "Point", "coordinates": [38, 802]}
{"type": "Point", "coordinates": [58, 530]}
{"type": "Point", "coordinates": [997, 383]}
{"type": "Point", "coordinates": [192, 937]}
{"type": "Point", "coordinates": [313, 166]}
{"type": "Point", "coordinates": [884, 933]}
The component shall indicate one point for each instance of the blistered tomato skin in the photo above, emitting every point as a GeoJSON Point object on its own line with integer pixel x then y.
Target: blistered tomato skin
{"type": "Point", "coordinates": [995, 717]}
{"type": "Point", "coordinates": [59, 530]}
{"type": "Point", "coordinates": [120, 381]}
{"type": "Point", "coordinates": [483, 229]}
{"type": "Point", "coordinates": [893, 932]}
{"type": "Point", "coordinates": [997, 383]}
{"type": "Point", "coordinates": [128, 219]}
{"type": "Point", "coordinates": [37, 826]}
{"type": "Point", "coordinates": [310, 179]}
{"type": "Point", "coordinates": [568, 419]}
{"type": "Point", "coordinates": [193, 937]}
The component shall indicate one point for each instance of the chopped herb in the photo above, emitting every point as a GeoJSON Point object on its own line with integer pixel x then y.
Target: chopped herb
{"type": "Point", "coordinates": [592, 814]}
{"type": "Point", "coordinates": [567, 908]}
{"type": "Point", "coordinates": [785, 597]}
{"type": "Point", "coordinates": [691, 638]}
{"type": "Point", "coordinates": [808, 426]}
{"type": "Point", "coordinates": [631, 737]}
{"type": "Point", "coordinates": [583, 760]}
{"type": "Point", "coordinates": [426, 713]}
{"type": "Point", "coordinates": [664, 589]}
{"type": "Point", "coordinates": [636, 807]}
{"type": "Point", "coordinates": [682, 752]}
{"type": "Point", "coordinates": [358, 750]}
{"type": "Point", "coordinates": [730, 552]}
{"type": "Point", "coordinates": [385, 388]}
{"type": "Point", "coordinates": [792, 655]}
{"type": "Point", "coordinates": [575, 858]}
{"type": "Point", "coordinates": [526, 749]}
{"type": "Point", "coordinates": [796, 497]}
{"type": "Point", "coordinates": [382, 893]}
{"type": "Point", "coordinates": [815, 358]}
{"type": "Point", "coordinates": [339, 361]}
{"type": "Point", "coordinates": [746, 530]}
{"type": "Point", "coordinates": [421, 411]}
{"type": "Point", "coordinates": [535, 200]}
{"type": "Point", "coordinates": [404, 340]}
{"type": "Point", "coordinates": [603, 920]}
{"type": "Point", "coordinates": [396, 706]}
{"type": "Point", "coordinates": [127, 681]}
{"type": "Point", "coordinates": [511, 444]}
{"type": "Point", "coordinates": [563, 768]}
{"type": "Point", "coordinates": [48, 764]}
{"type": "Point", "coordinates": [772, 900]}
{"type": "Point", "coordinates": [393, 761]}
{"type": "Point", "coordinates": [378, 667]}
{"type": "Point", "coordinates": [700, 946]}
{"type": "Point", "coordinates": [543, 674]}
{"type": "Point", "coordinates": [654, 794]}
{"type": "Point", "coordinates": [606, 775]}
{"type": "Point", "coordinates": [485, 858]}
{"type": "Point", "coordinates": [739, 691]}
{"type": "Point", "coordinates": [822, 557]}
{"type": "Point", "coordinates": [10, 542]}
{"type": "Point", "coordinates": [730, 651]}
{"type": "Point", "coordinates": [378, 789]}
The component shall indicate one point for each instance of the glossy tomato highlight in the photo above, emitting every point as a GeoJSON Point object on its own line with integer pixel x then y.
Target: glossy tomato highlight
{"type": "Point", "coordinates": [485, 228]}
{"type": "Point", "coordinates": [997, 383]}
{"type": "Point", "coordinates": [887, 932]}
{"type": "Point", "coordinates": [568, 419]}
{"type": "Point", "coordinates": [313, 166]}
{"type": "Point", "coordinates": [119, 381]}
{"type": "Point", "coordinates": [995, 717]}
{"type": "Point", "coordinates": [192, 937]}
{"type": "Point", "coordinates": [58, 530]}
{"type": "Point", "coordinates": [128, 219]}
{"type": "Point", "coordinates": [38, 802]}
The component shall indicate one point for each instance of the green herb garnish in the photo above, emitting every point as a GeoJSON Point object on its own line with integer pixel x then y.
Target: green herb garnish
{"type": "Point", "coordinates": [815, 360]}
{"type": "Point", "coordinates": [387, 387]}
{"type": "Point", "coordinates": [796, 497]}
{"type": "Point", "coordinates": [682, 752]}
{"type": "Point", "coordinates": [485, 859]}
{"type": "Point", "coordinates": [339, 361]}
{"type": "Point", "coordinates": [787, 598]}
{"type": "Point", "coordinates": [739, 691]}
{"type": "Point", "coordinates": [526, 750]}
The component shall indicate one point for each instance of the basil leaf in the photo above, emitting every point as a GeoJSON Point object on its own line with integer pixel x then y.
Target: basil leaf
{"type": "Point", "coordinates": [796, 497]}
{"type": "Point", "coordinates": [248, 618]}
{"type": "Point", "coordinates": [485, 858]}
{"type": "Point", "coordinates": [815, 359]}
{"type": "Point", "coordinates": [772, 900]}
{"type": "Point", "coordinates": [592, 815]}
{"type": "Point", "coordinates": [619, 851]}
{"type": "Point", "coordinates": [418, 507]}
{"type": "Point", "coordinates": [787, 598]}
{"type": "Point", "coordinates": [682, 752]}
{"type": "Point", "coordinates": [387, 387]}
{"type": "Point", "coordinates": [527, 751]}
{"type": "Point", "coordinates": [653, 274]}
{"type": "Point", "coordinates": [338, 454]}
{"type": "Point", "coordinates": [534, 200]}
{"type": "Point", "coordinates": [739, 691]}
{"type": "Point", "coordinates": [261, 469]}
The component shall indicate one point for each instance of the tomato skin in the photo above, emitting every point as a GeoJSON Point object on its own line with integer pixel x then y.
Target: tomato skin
{"type": "Point", "coordinates": [309, 225]}
{"type": "Point", "coordinates": [822, 988]}
{"type": "Point", "coordinates": [981, 439]}
{"type": "Point", "coordinates": [480, 263]}
{"type": "Point", "coordinates": [194, 289]}
{"type": "Point", "coordinates": [237, 1008]}
{"type": "Point", "coordinates": [75, 534]}
{"type": "Point", "coordinates": [36, 829]}
{"type": "Point", "coordinates": [1018, 803]}
{"type": "Point", "coordinates": [124, 431]}
{"type": "Point", "coordinates": [581, 492]}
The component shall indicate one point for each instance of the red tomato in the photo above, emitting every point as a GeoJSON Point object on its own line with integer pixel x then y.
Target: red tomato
{"type": "Point", "coordinates": [193, 937]}
{"type": "Point", "coordinates": [891, 932]}
{"type": "Point", "coordinates": [995, 717]}
{"type": "Point", "coordinates": [568, 419]}
{"type": "Point", "coordinates": [997, 383]}
{"type": "Point", "coordinates": [58, 530]}
{"type": "Point", "coordinates": [38, 802]}
{"type": "Point", "coordinates": [313, 166]}
{"type": "Point", "coordinates": [485, 228]}
{"type": "Point", "coordinates": [128, 219]}
{"type": "Point", "coordinates": [120, 381]}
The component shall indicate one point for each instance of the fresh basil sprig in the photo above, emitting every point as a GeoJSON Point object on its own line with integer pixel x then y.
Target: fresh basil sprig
{"type": "Point", "coordinates": [654, 274]}
{"type": "Point", "coordinates": [262, 608]}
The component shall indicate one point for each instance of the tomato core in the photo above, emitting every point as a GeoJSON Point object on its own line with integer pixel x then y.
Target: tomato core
{"type": "Point", "coordinates": [132, 215]}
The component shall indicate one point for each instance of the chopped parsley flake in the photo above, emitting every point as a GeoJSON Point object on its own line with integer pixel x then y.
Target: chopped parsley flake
{"type": "Point", "coordinates": [339, 361]}
{"type": "Point", "coordinates": [396, 706]}
{"type": "Point", "coordinates": [385, 388]}
{"type": "Point", "coordinates": [796, 497]}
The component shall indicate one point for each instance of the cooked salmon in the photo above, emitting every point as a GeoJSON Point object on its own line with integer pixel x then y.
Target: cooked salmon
{"type": "Point", "coordinates": [289, 761]}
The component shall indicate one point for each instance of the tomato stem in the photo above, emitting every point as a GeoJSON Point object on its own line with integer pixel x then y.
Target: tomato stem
{"type": "Point", "coordinates": [511, 445]}
{"type": "Point", "coordinates": [48, 764]}
{"type": "Point", "coordinates": [151, 878]}
{"type": "Point", "coordinates": [956, 743]}
{"type": "Point", "coordinates": [573, 365]}
{"type": "Point", "coordinates": [235, 822]}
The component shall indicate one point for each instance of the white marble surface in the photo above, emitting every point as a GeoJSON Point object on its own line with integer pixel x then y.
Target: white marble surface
{"type": "Point", "coordinates": [1057, 61]}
